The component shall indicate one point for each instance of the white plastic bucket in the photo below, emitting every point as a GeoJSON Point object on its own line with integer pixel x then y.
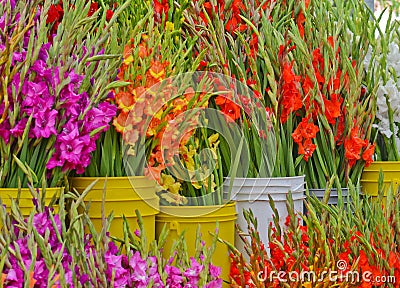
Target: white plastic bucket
{"type": "Point", "coordinates": [252, 193]}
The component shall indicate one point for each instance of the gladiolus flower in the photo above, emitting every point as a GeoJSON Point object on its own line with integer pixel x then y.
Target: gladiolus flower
{"type": "Point", "coordinates": [229, 108]}
{"type": "Point", "coordinates": [368, 153]}
{"type": "Point", "coordinates": [307, 149]}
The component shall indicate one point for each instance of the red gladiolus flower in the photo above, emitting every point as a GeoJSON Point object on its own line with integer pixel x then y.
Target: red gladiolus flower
{"type": "Point", "coordinates": [154, 172]}
{"type": "Point", "coordinates": [340, 130]}
{"type": "Point", "coordinates": [253, 45]}
{"type": "Point", "coordinates": [55, 13]}
{"type": "Point", "coordinates": [94, 6]}
{"type": "Point", "coordinates": [291, 99]}
{"type": "Point", "coordinates": [228, 107]}
{"type": "Point", "coordinates": [109, 15]}
{"type": "Point", "coordinates": [332, 108]}
{"type": "Point", "coordinates": [353, 146]}
{"type": "Point", "coordinates": [308, 130]}
{"type": "Point", "coordinates": [367, 155]}
{"type": "Point", "coordinates": [235, 24]}
{"type": "Point", "coordinates": [300, 20]}
{"type": "Point", "coordinates": [305, 131]}
{"type": "Point", "coordinates": [161, 8]}
{"type": "Point", "coordinates": [307, 148]}
{"type": "Point", "coordinates": [318, 64]}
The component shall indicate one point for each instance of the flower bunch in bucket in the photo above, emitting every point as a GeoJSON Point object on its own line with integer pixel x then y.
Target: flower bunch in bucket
{"type": "Point", "coordinates": [159, 104]}
{"type": "Point", "coordinates": [336, 246]}
{"type": "Point", "coordinates": [334, 134]}
{"type": "Point", "coordinates": [42, 251]}
{"type": "Point", "coordinates": [52, 105]}
{"type": "Point", "coordinates": [243, 40]}
{"type": "Point", "coordinates": [289, 67]}
{"type": "Point", "coordinates": [381, 62]}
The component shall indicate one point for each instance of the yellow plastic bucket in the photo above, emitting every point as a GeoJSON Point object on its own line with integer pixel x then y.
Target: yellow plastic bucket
{"type": "Point", "coordinates": [123, 196]}
{"type": "Point", "coordinates": [370, 176]}
{"type": "Point", "coordinates": [26, 205]}
{"type": "Point", "coordinates": [187, 218]}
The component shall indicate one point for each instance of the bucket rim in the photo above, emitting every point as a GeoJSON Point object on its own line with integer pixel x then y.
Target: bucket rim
{"type": "Point", "coordinates": [264, 178]}
{"type": "Point", "coordinates": [197, 211]}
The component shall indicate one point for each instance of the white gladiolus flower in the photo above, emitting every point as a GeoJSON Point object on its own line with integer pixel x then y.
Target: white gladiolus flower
{"type": "Point", "coordinates": [384, 128]}
{"type": "Point", "coordinates": [388, 92]}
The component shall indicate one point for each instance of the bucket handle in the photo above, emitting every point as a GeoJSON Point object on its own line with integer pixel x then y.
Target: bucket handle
{"type": "Point", "coordinates": [174, 225]}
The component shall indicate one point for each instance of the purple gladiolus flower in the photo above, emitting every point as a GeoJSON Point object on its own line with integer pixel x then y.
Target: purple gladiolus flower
{"type": "Point", "coordinates": [194, 270]}
{"type": "Point", "coordinates": [33, 91]}
{"type": "Point", "coordinates": [55, 161]}
{"type": "Point", "coordinates": [12, 3]}
{"type": "Point", "coordinates": [83, 279]}
{"type": "Point", "coordinates": [44, 52]}
{"type": "Point", "coordinates": [139, 267]}
{"type": "Point", "coordinates": [78, 108]}
{"type": "Point", "coordinates": [94, 119]}
{"type": "Point", "coordinates": [112, 248]}
{"type": "Point", "coordinates": [18, 57]}
{"type": "Point", "coordinates": [71, 150]}
{"type": "Point", "coordinates": [174, 276]}
{"type": "Point", "coordinates": [193, 273]}
{"type": "Point", "coordinates": [15, 277]}
{"type": "Point", "coordinates": [114, 265]}
{"type": "Point", "coordinates": [214, 271]}
{"type": "Point", "coordinates": [41, 273]}
{"type": "Point", "coordinates": [69, 131]}
{"type": "Point", "coordinates": [214, 284]}
{"type": "Point", "coordinates": [69, 95]}
{"type": "Point", "coordinates": [45, 124]}
{"type": "Point", "coordinates": [40, 223]}
{"type": "Point", "coordinates": [18, 129]}
{"type": "Point", "coordinates": [41, 69]}
{"type": "Point", "coordinates": [3, 24]}
{"type": "Point", "coordinates": [5, 131]}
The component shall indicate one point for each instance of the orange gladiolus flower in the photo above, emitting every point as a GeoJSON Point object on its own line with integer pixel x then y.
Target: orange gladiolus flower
{"type": "Point", "coordinates": [125, 101]}
{"type": "Point", "coordinates": [154, 172]}
{"type": "Point", "coordinates": [353, 146]}
{"type": "Point", "coordinates": [309, 130]}
{"type": "Point", "coordinates": [120, 122]}
{"type": "Point", "coordinates": [291, 99]}
{"type": "Point", "coordinates": [307, 148]}
{"type": "Point", "coordinates": [143, 53]}
{"type": "Point", "coordinates": [157, 70]}
{"type": "Point", "coordinates": [228, 107]}
{"type": "Point", "coordinates": [332, 108]}
{"type": "Point", "coordinates": [368, 153]}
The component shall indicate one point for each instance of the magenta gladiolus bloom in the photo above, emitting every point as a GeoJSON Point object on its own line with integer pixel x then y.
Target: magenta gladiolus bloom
{"type": "Point", "coordinates": [174, 276]}
{"type": "Point", "coordinates": [71, 150]}
{"type": "Point", "coordinates": [214, 271]}
{"type": "Point", "coordinates": [5, 131]}
{"type": "Point", "coordinates": [18, 129]}
{"type": "Point", "coordinates": [214, 284]}
{"type": "Point", "coordinates": [45, 124]}
{"type": "Point", "coordinates": [139, 267]}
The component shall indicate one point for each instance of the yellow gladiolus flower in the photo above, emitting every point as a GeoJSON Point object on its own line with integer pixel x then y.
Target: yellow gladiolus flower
{"type": "Point", "coordinates": [169, 26]}
{"type": "Point", "coordinates": [169, 184]}
{"type": "Point", "coordinates": [213, 138]}
{"type": "Point", "coordinates": [128, 60]}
